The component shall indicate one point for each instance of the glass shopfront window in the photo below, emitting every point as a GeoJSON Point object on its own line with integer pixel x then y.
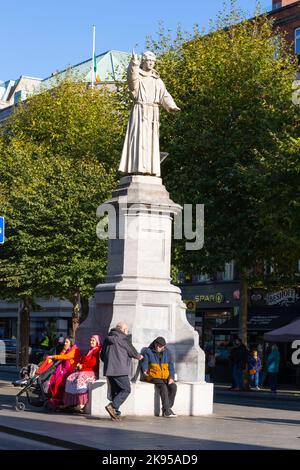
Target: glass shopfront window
{"type": "Point", "coordinates": [43, 335]}
{"type": "Point", "coordinates": [208, 320]}
{"type": "Point", "coordinates": [8, 340]}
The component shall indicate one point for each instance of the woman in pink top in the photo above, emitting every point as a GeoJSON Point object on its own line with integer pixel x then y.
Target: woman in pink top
{"type": "Point", "coordinates": [76, 390]}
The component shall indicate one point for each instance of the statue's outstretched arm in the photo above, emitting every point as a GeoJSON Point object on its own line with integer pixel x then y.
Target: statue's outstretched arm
{"type": "Point", "coordinates": [168, 103]}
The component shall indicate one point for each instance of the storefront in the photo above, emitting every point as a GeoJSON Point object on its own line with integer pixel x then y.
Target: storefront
{"type": "Point", "coordinates": [52, 320]}
{"type": "Point", "coordinates": [209, 306]}
{"type": "Point", "coordinates": [267, 311]}
{"type": "Point", "coordinates": [213, 310]}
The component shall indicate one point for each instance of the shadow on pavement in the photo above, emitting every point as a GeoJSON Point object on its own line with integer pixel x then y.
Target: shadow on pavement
{"type": "Point", "coordinates": [114, 438]}
{"type": "Point", "coordinates": [284, 422]}
{"type": "Point", "coordinates": [263, 400]}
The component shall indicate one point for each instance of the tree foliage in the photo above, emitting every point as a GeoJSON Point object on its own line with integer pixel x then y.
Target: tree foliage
{"type": "Point", "coordinates": [59, 154]}
{"type": "Point", "coordinates": [235, 145]}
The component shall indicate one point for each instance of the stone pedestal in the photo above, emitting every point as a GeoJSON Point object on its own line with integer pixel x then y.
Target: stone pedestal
{"type": "Point", "coordinates": [192, 399]}
{"type": "Point", "coordinates": [138, 287]}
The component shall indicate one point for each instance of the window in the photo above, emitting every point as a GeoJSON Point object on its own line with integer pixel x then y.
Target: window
{"type": "Point", "coordinates": [297, 41]}
{"type": "Point", "coordinates": [268, 268]}
{"type": "Point", "coordinates": [201, 278]}
{"type": "Point", "coordinates": [277, 44]}
{"type": "Point", "coordinates": [228, 274]}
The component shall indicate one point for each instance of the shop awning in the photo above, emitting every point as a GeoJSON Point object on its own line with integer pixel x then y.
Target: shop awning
{"type": "Point", "coordinates": [262, 319]}
{"type": "Point", "coordinates": [285, 334]}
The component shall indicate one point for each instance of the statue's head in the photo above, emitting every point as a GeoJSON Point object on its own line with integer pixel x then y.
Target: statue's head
{"type": "Point", "coordinates": [148, 61]}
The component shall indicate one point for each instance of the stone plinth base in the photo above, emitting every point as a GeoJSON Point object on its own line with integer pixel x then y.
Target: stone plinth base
{"type": "Point", "coordinates": [192, 399]}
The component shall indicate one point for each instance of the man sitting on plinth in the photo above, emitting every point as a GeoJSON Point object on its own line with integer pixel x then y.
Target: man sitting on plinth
{"type": "Point", "coordinates": [158, 368]}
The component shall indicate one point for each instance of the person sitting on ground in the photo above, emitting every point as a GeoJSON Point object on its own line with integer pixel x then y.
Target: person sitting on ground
{"type": "Point", "coordinates": [254, 367]}
{"type": "Point", "coordinates": [76, 390]}
{"type": "Point", "coordinates": [69, 357]}
{"type": "Point", "coordinates": [158, 368]}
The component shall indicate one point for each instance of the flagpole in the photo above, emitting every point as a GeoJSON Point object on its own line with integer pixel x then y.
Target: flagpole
{"type": "Point", "coordinates": [93, 55]}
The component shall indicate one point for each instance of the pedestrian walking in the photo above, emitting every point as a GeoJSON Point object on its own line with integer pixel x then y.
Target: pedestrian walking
{"type": "Point", "coordinates": [239, 360]}
{"type": "Point", "coordinates": [158, 368]}
{"type": "Point", "coordinates": [273, 362]}
{"type": "Point", "coordinates": [116, 354]}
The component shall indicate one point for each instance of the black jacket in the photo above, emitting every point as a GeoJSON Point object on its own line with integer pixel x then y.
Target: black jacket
{"type": "Point", "coordinates": [239, 356]}
{"type": "Point", "coordinates": [116, 353]}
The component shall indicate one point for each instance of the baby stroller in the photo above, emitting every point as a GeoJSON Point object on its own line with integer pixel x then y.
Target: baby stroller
{"type": "Point", "coordinates": [34, 387]}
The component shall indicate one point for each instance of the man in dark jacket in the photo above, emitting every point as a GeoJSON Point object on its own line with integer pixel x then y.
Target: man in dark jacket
{"type": "Point", "coordinates": [239, 360]}
{"type": "Point", "coordinates": [116, 353]}
{"type": "Point", "coordinates": [158, 368]}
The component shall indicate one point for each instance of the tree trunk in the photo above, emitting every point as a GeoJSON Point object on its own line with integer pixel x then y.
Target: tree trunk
{"type": "Point", "coordinates": [243, 316]}
{"type": "Point", "coordinates": [75, 313]}
{"type": "Point", "coordinates": [24, 333]}
{"type": "Point", "coordinates": [84, 308]}
{"type": "Point", "coordinates": [243, 321]}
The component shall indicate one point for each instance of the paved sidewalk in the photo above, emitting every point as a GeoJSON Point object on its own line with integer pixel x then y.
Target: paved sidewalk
{"type": "Point", "coordinates": [265, 424]}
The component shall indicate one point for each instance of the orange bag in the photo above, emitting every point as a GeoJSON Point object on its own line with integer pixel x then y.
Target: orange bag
{"type": "Point", "coordinates": [252, 371]}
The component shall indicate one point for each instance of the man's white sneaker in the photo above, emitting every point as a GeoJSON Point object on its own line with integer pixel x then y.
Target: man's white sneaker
{"type": "Point", "coordinates": [171, 415]}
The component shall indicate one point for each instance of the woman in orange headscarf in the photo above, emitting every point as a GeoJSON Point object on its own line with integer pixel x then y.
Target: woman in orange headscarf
{"type": "Point", "coordinates": [69, 357]}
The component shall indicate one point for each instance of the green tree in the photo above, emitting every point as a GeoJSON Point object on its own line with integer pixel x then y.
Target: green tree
{"type": "Point", "coordinates": [59, 154]}
{"type": "Point", "coordinates": [235, 146]}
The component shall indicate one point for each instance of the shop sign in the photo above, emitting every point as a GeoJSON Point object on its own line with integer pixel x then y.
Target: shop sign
{"type": "Point", "coordinates": [218, 298]}
{"type": "Point", "coordinates": [260, 321]}
{"type": "Point", "coordinates": [236, 294]}
{"type": "Point", "coordinates": [257, 297]}
{"type": "Point", "coordinates": [283, 297]}
{"type": "Point", "coordinates": [190, 304]}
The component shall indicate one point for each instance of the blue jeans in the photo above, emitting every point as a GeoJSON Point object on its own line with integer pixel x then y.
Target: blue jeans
{"type": "Point", "coordinates": [237, 376]}
{"type": "Point", "coordinates": [254, 379]}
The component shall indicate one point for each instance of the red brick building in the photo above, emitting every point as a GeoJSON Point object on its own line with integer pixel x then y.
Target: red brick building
{"type": "Point", "coordinates": [287, 18]}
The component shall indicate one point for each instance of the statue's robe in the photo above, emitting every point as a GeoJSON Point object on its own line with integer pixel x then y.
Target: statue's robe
{"type": "Point", "coordinates": [141, 147]}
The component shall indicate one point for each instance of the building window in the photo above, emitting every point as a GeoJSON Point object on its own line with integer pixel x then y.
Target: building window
{"type": "Point", "coordinates": [201, 278]}
{"type": "Point", "coordinates": [228, 274]}
{"type": "Point", "coordinates": [277, 44]}
{"type": "Point", "coordinates": [297, 41]}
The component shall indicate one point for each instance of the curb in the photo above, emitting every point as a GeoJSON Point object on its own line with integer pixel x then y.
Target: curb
{"type": "Point", "coordinates": [46, 439]}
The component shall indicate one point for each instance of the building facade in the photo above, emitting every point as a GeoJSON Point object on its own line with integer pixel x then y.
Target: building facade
{"type": "Point", "coordinates": [286, 14]}
{"type": "Point", "coordinates": [111, 66]}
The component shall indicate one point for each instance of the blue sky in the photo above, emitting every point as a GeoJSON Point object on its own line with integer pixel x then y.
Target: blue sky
{"type": "Point", "coordinates": [38, 37]}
